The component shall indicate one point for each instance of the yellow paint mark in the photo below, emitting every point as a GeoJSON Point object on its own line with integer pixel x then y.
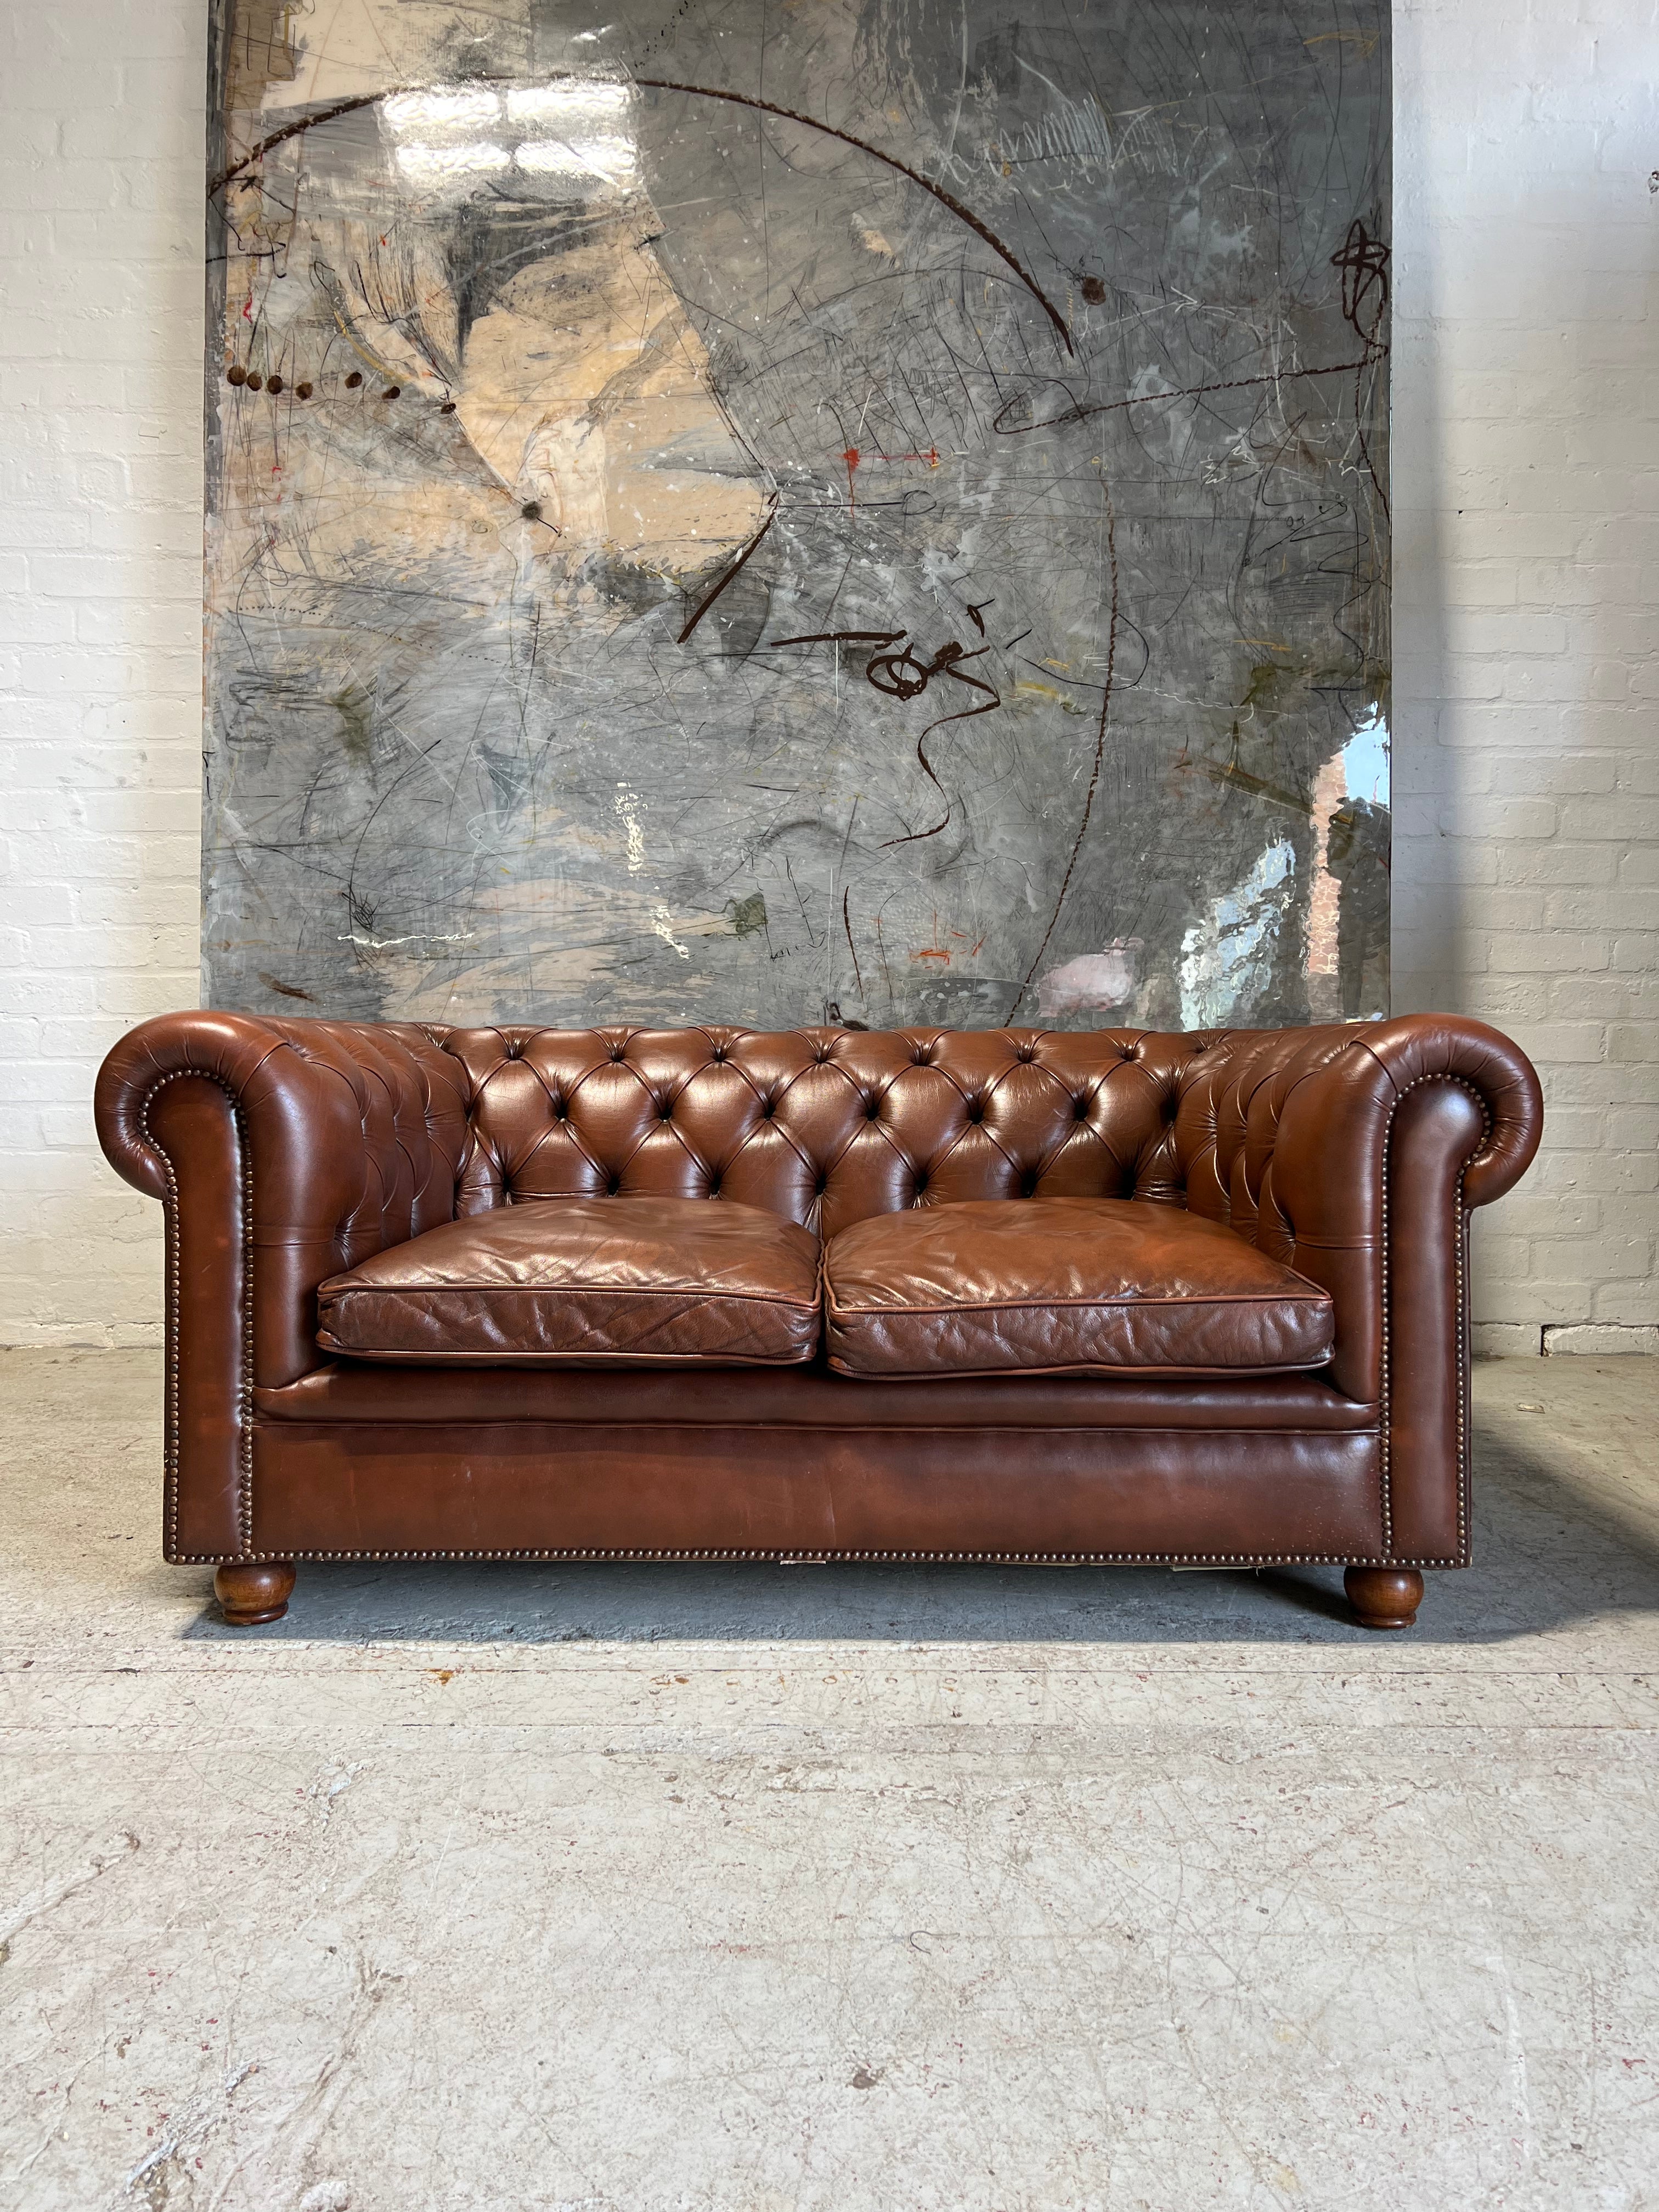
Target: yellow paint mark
{"type": "Point", "coordinates": [361, 351]}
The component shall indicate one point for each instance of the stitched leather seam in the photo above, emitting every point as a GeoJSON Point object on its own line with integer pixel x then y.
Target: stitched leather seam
{"type": "Point", "coordinates": [683, 1361]}
{"type": "Point", "coordinates": [1463, 1234]}
{"type": "Point", "coordinates": [1161, 1371]}
{"type": "Point", "coordinates": [281, 1426]}
{"type": "Point", "coordinates": [1124, 1302]}
{"type": "Point", "coordinates": [839, 1559]}
{"type": "Point", "coordinates": [244, 1390]}
{"type": "Point", "coordinates": [1461, 1239]}
{"type": "Point", "coordinates": [700, 1292]}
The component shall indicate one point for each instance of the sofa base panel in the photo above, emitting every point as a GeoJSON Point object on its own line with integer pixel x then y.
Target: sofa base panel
{"type": "Point", "coordinates": [521, 1490]}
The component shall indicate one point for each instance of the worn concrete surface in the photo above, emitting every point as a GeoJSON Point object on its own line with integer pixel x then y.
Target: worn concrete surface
{"type": "Point", "coordinates": [740, 1891]}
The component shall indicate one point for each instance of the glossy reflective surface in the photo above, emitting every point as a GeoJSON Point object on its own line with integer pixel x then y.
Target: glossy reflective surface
{"type": "Point", "coordinates": [799, 513]}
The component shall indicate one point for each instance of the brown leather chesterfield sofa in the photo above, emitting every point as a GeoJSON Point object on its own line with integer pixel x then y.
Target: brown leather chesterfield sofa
{"type": "Point", "coordinates": [1014, 1295]}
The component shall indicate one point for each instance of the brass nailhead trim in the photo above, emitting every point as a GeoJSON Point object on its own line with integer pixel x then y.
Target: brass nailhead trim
{"type": "Point", "coordinates": [1460, 1238]}
{"type": "Point", "coordinates": [244, 1390]}
{"type": "Point", "coordinates": [849, 1559]}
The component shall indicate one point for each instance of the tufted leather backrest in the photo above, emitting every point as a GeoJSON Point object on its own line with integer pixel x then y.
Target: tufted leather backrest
{"type": "Point", "coordinates": [828, 1126]}
{"type": "Point", "coordinates": [1226, 1135]}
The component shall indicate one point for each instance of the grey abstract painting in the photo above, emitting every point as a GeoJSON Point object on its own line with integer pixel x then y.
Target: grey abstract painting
{"type": "Point", "coordinates": [781, 511]}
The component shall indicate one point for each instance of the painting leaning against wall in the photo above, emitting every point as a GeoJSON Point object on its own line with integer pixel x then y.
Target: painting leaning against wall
{"type": "Point", "coordinates": [871, 511]}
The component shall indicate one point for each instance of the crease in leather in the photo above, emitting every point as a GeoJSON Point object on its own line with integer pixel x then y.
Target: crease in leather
{"type": "Point", "coordinates": [660, 1279]}
{"type": "Point", "coordinates": [1065, 1286]}
{"type": "Point", "coordinates": [724, 1357]}
{"type": "Point", "coordinates": [807, 1396]}
{"type": "Point", "coordinates": [954, 1365]}
{"type": "Point", "coordinates": [1040, 1303]}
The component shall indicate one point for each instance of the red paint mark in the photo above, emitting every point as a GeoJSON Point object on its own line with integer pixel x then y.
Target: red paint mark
{"type": "Point", "coordinates": [851, 456]}
{"type": "Point", "coordinates": [935, 951]}
{"type": "Point", "coordinates": [248, 309]}
{"type": "Point", "coordinates": [854, 455]}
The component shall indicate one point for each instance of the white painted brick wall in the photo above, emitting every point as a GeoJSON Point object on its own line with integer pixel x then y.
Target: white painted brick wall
{"type": "Point", "coordinates": [101, 163]}
{"type": "Point", "coordinates": [1526, 453]}
{"type": "Point", "coordinates": [1527, 594]}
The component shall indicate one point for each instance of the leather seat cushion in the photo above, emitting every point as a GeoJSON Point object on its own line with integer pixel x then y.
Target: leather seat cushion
{"type": "Point", "coordinates": [615, 1282]}
{"type": "Point", "coordinates": [1064, 1286]}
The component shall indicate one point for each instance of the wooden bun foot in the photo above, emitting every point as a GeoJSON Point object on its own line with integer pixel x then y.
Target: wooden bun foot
{"type": "Point", "coordinates": [1383, 1597]}
{"type": "Point", "coordinates": [258, 1591]}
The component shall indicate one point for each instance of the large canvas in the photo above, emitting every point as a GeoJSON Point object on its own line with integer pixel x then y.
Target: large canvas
{"type": "Point", "coordinates": [781, 511]}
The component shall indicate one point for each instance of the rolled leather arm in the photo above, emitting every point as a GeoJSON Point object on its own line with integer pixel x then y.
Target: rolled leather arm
{"type": "Point", "coordinates": [1355, 1155]}
{"type": "Point", "coordinates": [283, 1152]}
{"type": "Point", "coordinates": [1351, 1095]}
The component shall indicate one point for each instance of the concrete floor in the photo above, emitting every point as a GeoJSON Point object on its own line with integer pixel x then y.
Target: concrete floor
{"type": "Point", "coordinates": [769, 1890]}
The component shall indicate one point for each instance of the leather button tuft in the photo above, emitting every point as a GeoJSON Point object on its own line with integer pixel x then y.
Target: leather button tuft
{"type": "Point", "coordinates": [1080, 1108]}
{"type": "Point", "coordinates": [872, 1109]}
{"type": "Point", "coordinates": [975, 1111]}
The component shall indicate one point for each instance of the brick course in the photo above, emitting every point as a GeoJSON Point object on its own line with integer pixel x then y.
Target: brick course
{"type": "Point", "coordinates": [101, 161]}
